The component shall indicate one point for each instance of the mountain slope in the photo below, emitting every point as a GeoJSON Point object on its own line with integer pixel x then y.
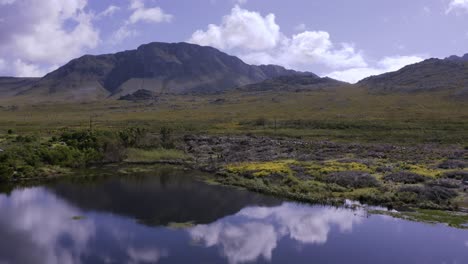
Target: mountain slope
{"type": "Point", "coordinates": [10, 86]}
{"type": "Point", "coordinates": [294, 84]}
{"type": "Point", "coordinates": [157, 67]}
{"type": "Point", "coordinates": [448, 75]}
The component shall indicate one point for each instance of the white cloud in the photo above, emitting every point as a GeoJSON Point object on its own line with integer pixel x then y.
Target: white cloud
{"type": "Point", "coordinates": [144, 14]}
{"type": "Point", "coordinates": [387, 64]}
{"type": "Point", "coordinates": [40, 33]}
{"type": "Point", "coordinates": [23, 69]}
{"type": "Point", "coordinates": [457, 5]}
{"type": "Point", "coordinates": [316, 47]}
{"type": "Point", "coordinates": [121, 34]}
{"type": "Point", "coordinates": [241, 29]}
{"type": "Point", "coordinates": [139, 13]}
{"type": "Point", "coordinates": [257, 39]}
{"type": "Point", "coordinates": [109, 11]}
{"type": "Point", "coordinates": [300, 27]}
{"type": "Point", "coordinates": [150, 15]}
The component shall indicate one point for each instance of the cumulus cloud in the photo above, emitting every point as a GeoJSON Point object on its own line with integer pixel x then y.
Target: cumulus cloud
{"type": "Point", "coordinates": [457, 5]}
{"type": "Point", "coordinates": [387, 64]}
{"type": "Point", "coordinates": [144, 14]}
{"type": "Point", "coordinates": [45, 32]}
{"type": "Point", "coordinates": [241, 29]}
{"type": "Point", "coordinates": [139, 13]}
{"type": "Point", "coordinates": [24, 69]}
{"type": "Point", "coordinates": [257, 39]}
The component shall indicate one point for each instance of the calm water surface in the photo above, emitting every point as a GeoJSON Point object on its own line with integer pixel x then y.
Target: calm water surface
{"type": "Point", "coordinates": [168, 217]}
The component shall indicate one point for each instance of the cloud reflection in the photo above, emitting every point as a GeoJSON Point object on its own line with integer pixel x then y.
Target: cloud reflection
{"type": "Point", "coordinates": [255, 231]}
{"type": "Point", "coordinates": [37, 227]}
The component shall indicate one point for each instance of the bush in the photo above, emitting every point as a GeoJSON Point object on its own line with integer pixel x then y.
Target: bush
{"type": "Point", "coordinates": [64, 156]}
{"type": "Point", "coordinates": [436, 194]}
{"type": "Point", "coordinates": [458, 175]}
{"type": "Point", "coordinates": [80, 139]}
{"type": "Point", "coordinates": [453, 164]}
{"type": "Point", "coordinates": [352, 179]}
{"type": "Point", "coordinates": [405, 177]}
{"type": "Point", "coordinates": [132, 137]}
{"type": "Point", "coordinates": [166, 138]}
{"type": "Point", "coordinates": [6, 172]}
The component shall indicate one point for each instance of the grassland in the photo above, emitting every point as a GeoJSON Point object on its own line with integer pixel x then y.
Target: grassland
{"type": "Point", "coordinates": [346, 115]}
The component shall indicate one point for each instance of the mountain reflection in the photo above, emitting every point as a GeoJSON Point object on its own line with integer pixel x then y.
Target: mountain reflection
{"type": "Point", "coordinates": [255, 231]}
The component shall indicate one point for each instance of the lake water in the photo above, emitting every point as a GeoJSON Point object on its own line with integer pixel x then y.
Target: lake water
{"type": "Point", "coordinates": [167, 216]}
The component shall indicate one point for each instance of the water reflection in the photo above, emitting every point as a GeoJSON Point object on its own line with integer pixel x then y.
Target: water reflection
{"type": "Point", "coordinates": [41, 224]}
{"type": "Point", "coordinates": [48, 225]}
{"type": "Point", "coordinates": [255, 231]}
{"type": "Point", "coordinates": [38, 227]}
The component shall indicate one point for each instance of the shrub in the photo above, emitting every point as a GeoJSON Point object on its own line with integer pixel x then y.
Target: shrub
{"type": "Point", "coordinates": [353, 179]}
{"type": "Point", "coordinates": [452, 164]}
{"type": "Point", "coordinates": [166, 138]}
{"type": "Point", "coordinates": [458, 175]}
{"type": "Point", "coordinates": [405, 177]}
{"type": "Point", "coordinates": [6, 172]}
{"type": "Point", "coordinates": [80, 139]}
{"type": "Point", "coordinates": [63, 156]}
{"type": "Point", "coordinates": [131, 137]}
{"type": "Point", "coordinates": [436, 194]}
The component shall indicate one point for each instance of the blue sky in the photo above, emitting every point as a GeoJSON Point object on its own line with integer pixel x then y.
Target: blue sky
{"type": "Point", "coordinates": [343, 39]}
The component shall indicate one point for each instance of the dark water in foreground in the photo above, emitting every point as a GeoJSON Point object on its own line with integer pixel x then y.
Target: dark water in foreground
{"type": "Point", "coordinates": [145, 219]}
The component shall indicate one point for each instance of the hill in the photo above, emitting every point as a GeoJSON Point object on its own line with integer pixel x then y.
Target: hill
{"type": "Point", "coordinates": [294, 83]}
{"type": "Point", "coordinates": [174, 68]}
{"type": "Point", "coordinates": [449, 76]}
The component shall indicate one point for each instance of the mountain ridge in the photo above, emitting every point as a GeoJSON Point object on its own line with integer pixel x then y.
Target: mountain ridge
{"type": "Point", "coordinates": [157, 67]}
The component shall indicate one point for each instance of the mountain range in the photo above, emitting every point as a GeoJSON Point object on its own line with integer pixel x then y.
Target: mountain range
{"type": "Point", "coordinates": [449, 75]}
{"type": "Point", "coordinates": [157, 67]}
{"type": "Point", "coordinates": [179, 68]}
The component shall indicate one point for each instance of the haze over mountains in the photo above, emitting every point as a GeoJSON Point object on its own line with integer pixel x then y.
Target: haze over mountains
{"type": "Point", "coordinates": [179, 68]}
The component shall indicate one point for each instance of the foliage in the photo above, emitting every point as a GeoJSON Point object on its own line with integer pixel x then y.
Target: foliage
{"type": "Point", "coordinates": [261, 169]}
{"type": "Point", "coordinates": [154, 155]}
{"type": "Point", "coordinates": [166, 138]}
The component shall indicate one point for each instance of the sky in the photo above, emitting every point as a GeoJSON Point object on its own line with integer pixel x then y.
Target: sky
{"type": "Point", "coordinates": [342, 39]}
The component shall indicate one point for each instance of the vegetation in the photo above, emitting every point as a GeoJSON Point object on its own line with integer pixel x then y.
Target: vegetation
{"type": "Point", "coordinates": [26, 157]}
{"type": "Point", "coordinates": [345, 115]}
{"type": "Point", "coordinates": [154, 155]}
{"type": "Point", "coordinates": [453, 219]}
{"type": "Point", "coordinates": [53, 139]}
{"type": "Point", "coordinates": [333, 181]}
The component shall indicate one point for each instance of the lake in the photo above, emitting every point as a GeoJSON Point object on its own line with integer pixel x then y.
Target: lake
{"type": "Point", "coordinates": [170, 216]}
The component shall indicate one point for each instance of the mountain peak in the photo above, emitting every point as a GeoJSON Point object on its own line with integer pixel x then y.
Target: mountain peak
{"type": "Point", "coordinates": [456, 58]}
{"type": "Point", "coordinates": [157, 67]}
